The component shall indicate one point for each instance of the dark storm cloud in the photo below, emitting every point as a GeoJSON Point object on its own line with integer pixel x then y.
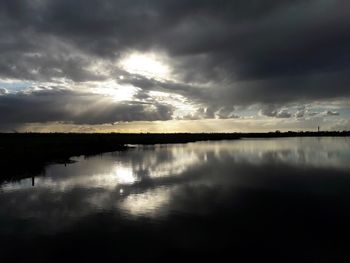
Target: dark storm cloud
{"type": "Point", "coordinates": [246, 51]}
{"type": "Point", "coordinates": [80, 108]}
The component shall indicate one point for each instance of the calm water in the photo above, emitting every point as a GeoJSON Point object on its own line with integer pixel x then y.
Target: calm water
{"type": "Point", "coordinates": [285, 199]}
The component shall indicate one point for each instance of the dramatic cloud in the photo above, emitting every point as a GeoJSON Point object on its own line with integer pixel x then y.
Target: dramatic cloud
{"type": "Point", "coordinates": [49, 105]}
{"type": "Point", "coordinates": [211, 58]}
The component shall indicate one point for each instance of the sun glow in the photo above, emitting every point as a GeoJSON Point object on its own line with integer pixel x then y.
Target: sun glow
{"type": "Point", "coordinates": [125, 175]}
{"type": "Point", "coordinates": [149, 65]}
{"type": "Point", "coordinates": [114, 90]}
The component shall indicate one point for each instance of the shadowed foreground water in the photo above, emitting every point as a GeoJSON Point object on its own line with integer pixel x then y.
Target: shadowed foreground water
{"type": "Point", "coordinates": [285, 199]}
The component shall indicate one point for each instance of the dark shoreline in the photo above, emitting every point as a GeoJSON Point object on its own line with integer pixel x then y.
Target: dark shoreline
{"type": "Point", "coordinates": [26, 154]}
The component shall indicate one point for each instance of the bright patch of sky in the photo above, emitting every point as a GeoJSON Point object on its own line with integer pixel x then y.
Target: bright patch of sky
{"type": "Point", "coordinates": [14, 86]}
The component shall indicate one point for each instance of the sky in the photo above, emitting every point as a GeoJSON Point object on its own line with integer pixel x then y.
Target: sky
{"type": "Point", "coordinates": [174, 65]}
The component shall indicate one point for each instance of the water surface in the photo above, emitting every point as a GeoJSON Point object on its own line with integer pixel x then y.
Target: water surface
{"type": "Point", "coordinates": [286, 199]}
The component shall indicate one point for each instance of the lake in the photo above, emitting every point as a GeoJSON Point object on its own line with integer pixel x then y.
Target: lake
{"type": "Point", "coordinates": [286, 199]}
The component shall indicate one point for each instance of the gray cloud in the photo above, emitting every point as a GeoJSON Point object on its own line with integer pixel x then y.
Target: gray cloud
{"type": "Point", "coordinates": [283, 114]}
{"type": "Point", "coordinates": [274, 111]}
{"type": "Point", "coordinates": [245, 52]}
{"type": "Point", "coordinates": [300, 113]}
{"type": "Point", "coordinates": [331, 113]}
{"type": "Point", "coordinates": [61, 105]}
{"type": "Point", "coordinates": [212, 113]}
{"type": "Point", "coordinates": [3, 91]}
{"type": "Point", "coordinates": [269, 110]}
{"type": "Point", "coordinates": [226, 113]}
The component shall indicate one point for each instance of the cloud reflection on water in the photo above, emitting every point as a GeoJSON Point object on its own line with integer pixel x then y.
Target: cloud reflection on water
{"type": "Point", "coordinates": [153, 181]}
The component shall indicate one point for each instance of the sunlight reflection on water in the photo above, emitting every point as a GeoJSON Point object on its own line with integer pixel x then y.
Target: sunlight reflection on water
{"type": "Point", "coordinates": [145, 180]}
